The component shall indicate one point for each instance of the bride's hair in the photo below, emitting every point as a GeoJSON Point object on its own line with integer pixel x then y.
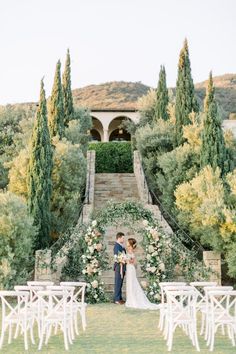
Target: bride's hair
{"type": "Point", "coordinates": [132, 242]}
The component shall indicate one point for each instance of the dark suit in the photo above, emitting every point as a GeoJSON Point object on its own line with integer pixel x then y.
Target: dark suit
{"type": "Point", "coordinates": [118, 278]}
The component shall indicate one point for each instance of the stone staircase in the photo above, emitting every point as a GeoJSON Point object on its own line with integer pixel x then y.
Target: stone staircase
{"type": "Point", "coordinates": [116, 187]}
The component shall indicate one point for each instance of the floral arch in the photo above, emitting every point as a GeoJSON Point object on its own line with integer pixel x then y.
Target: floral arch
{"type": "Point", "coordinates": [163, 253]}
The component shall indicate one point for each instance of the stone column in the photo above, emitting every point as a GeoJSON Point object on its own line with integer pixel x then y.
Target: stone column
{"type": "Point", "coordinates": [213, 261]}
{"type": "Point", "coordinates": [105, 136]}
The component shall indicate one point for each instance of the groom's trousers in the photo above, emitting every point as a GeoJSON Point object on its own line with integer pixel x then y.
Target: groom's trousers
{"type": "Point", "coordinates": [118, 284]}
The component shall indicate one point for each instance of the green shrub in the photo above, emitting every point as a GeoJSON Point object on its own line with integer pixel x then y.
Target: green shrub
{"type": "Point", "coordinates": [68, 178]}
{"type": "Point", "coordinates": [17, 235]}
{"type": "Point", "coordinates": [113, 157]}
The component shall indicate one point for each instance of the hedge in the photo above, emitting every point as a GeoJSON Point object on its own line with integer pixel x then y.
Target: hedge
{"type": "Point", "coordinates": [113, 157]}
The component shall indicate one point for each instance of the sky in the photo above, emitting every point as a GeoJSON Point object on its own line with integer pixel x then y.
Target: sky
{"type": "Point", "coordinates": [111, 40]}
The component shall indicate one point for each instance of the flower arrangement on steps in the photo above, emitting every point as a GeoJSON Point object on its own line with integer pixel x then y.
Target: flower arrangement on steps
{"type": "Point", "coordinates": [89, 258]}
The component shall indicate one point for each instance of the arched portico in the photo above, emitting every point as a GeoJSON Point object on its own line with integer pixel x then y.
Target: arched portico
{"type": "Point", "coordinates": [116, 131]}
{"type": "Point", "coordinates": [107, 121]}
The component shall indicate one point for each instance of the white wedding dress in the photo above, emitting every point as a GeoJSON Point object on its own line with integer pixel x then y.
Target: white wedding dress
{"type": "Point", "coordinates": [135, 296]}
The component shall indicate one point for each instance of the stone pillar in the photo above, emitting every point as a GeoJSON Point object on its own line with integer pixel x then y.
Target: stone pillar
{"type": "Point", "coordinates": [213, 261]}
{"type": "Point", "coordinates": [105, 136]}
{"type": "Point", "coordinates": [43, 265]}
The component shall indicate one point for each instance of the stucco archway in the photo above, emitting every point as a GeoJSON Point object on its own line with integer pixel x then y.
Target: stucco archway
{"type": "Point", "coordinates": [116, 131]}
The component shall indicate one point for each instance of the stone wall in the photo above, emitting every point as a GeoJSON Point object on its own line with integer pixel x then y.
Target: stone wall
{"type": "Point", "coordinates": [213, 261]}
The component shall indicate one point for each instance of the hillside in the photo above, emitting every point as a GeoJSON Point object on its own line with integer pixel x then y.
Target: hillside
{"type": "Point", "coordinates": [225, 89]}
{"type": "Point", "coordinates": [124, 95]}
{"type": "Point", "coordinates": [110, 95]}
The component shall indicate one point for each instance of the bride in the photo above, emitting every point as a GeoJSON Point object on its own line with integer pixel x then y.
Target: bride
{"type": "Point", "coordinates": [135, 296]}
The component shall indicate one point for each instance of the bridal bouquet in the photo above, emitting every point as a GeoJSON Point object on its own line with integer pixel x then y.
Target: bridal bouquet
{"type": "Point", "coordinates": [120, 257]}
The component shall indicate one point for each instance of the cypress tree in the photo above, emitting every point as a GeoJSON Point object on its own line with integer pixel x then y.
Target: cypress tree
{"type": "Point", "coordinates": [213, 150]}
{"type": "Point", "coordinates": [185, 97]}
{"type": "Point", "coordinates": [162, 96]}
{"type": "Point", "coordinates": [67, 93]}
{"type": "Point", "coordinates": [39, 174]}
{"type": "Point", "coordinates": [56, 108]}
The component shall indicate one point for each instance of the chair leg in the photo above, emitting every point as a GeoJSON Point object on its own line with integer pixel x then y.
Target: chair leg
{"type": "Point", "coordinates": [76, 324]}
{"type": "Point", "coordinates": [196, 343]}
{"type": "Point", "coordinates": [170, 339]}
{"type": "Point", "coordinates": [17, 331]}
{"type": "Point", "coordinates": [65, 338]}
{"type": "Point", "coordinates": [83, 315]}
{"type": "Point", "coordinates": [212, 338]}
{"type": "Point", "coordinates": [2, 335]}
{"type": "Point", "coordinates": [31, 328]}
{"type": "Point", "coordinates": [49, 331]}
{"type": "Point", "coordinates": [42, 331]}
{"type": "Point", "coordinates": [10, 334]}
{"type": "Point", "coordinates": [26, 338]}
{"type": "Point", "coordinates": [202, 324]}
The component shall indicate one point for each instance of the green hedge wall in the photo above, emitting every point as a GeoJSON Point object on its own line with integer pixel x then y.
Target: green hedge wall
{"type": "Point", "coordinates": [113, 157]}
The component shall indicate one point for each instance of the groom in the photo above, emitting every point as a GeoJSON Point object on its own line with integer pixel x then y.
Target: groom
{"type": "Point", "coordinates": [119, 270]}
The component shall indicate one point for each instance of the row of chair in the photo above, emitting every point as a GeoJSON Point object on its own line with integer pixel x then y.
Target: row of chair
{"type": "Point", "coordinates": [49, 306]}
{"type": "Point", "coordinates": [180, 304]}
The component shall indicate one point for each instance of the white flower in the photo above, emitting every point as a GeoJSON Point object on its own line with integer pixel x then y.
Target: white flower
{"type": "Point", "coordinates": [94, 284]}
{"type": "Point", "coordinates": [151, 249]}
{"type": "Point", "coordinates": [145, 223]}
{"type": "Point", "coordinates": [148, 257]}
{"type": "Point", "coordinates": [144, 284]}
{"type": "Point", "coordinates": [99, 247]}
{"type": "Point", "coordinates": [162, 266]}
{"type": "Point", "coordinates": [154, 234]}
{"type": "Point", "coordinates": [154, 254]}
{"type": "Point", "coordinates": [94, 223]}
{"type": "Point", "coordinates": [91, 249]}
{"type": "Point", "coordinates": [152, 269]}
{"type": "Point", "coordinates": [157, 296]}
{"type": "Point", "coordinates": [84, 271]}
{"type": "Point", "coordinates": [95, 296]}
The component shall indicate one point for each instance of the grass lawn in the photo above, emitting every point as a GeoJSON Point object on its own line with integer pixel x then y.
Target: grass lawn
{"type": "Point", "coordinates": [115, 329]}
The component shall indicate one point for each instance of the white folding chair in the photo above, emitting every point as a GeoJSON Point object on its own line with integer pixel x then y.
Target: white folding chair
{"type": "Point", "coordinates": [181, 312]}
{"type": "Point", "coordinates": [15, 312]}
{"type": "Point", "coordinates": [205, 310]}
{"type": "Point", "coordinates": [222, 312]}
{"type": "Point", "coordinates": [163, 304]}
{"type": "Point", "coordinates": [199, 285]}
{"type": "Point", "coordinates": [40, 283]}
{"type": "Point", "coordinates": [79, 304]}
{"type": "Point", "coordinates": [56, 313]}
{"type": "Point", "coordinates": [70, 290]}
{"type": "Point", "coordinates": [33, 302]}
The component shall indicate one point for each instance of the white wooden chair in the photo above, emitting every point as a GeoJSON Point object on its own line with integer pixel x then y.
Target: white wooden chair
{"type": "Point", "coordinates": [55, 314]}
{"type": "Point", "coordinates": [16, 312]}
{"type": "Point", "coordinates": [163, 304]}
{"type": "Point", "coordinates": [40, 283]}
{"type": "Point", "coordinates": [79, 304]}
{"type": "Point", "coordinates": [181, 312]}
{"type": "Point", "coordinates": [205, 310]}
{"type": "Point", "coordinates": [222, 313]}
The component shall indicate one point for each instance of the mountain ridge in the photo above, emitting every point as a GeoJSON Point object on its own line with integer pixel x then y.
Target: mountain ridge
{"type": "Point", "coordinates": [124, 95]}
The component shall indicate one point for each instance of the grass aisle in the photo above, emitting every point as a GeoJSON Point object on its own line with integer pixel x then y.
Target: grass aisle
{"type": "Point", "coordinates": [115, 329]}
